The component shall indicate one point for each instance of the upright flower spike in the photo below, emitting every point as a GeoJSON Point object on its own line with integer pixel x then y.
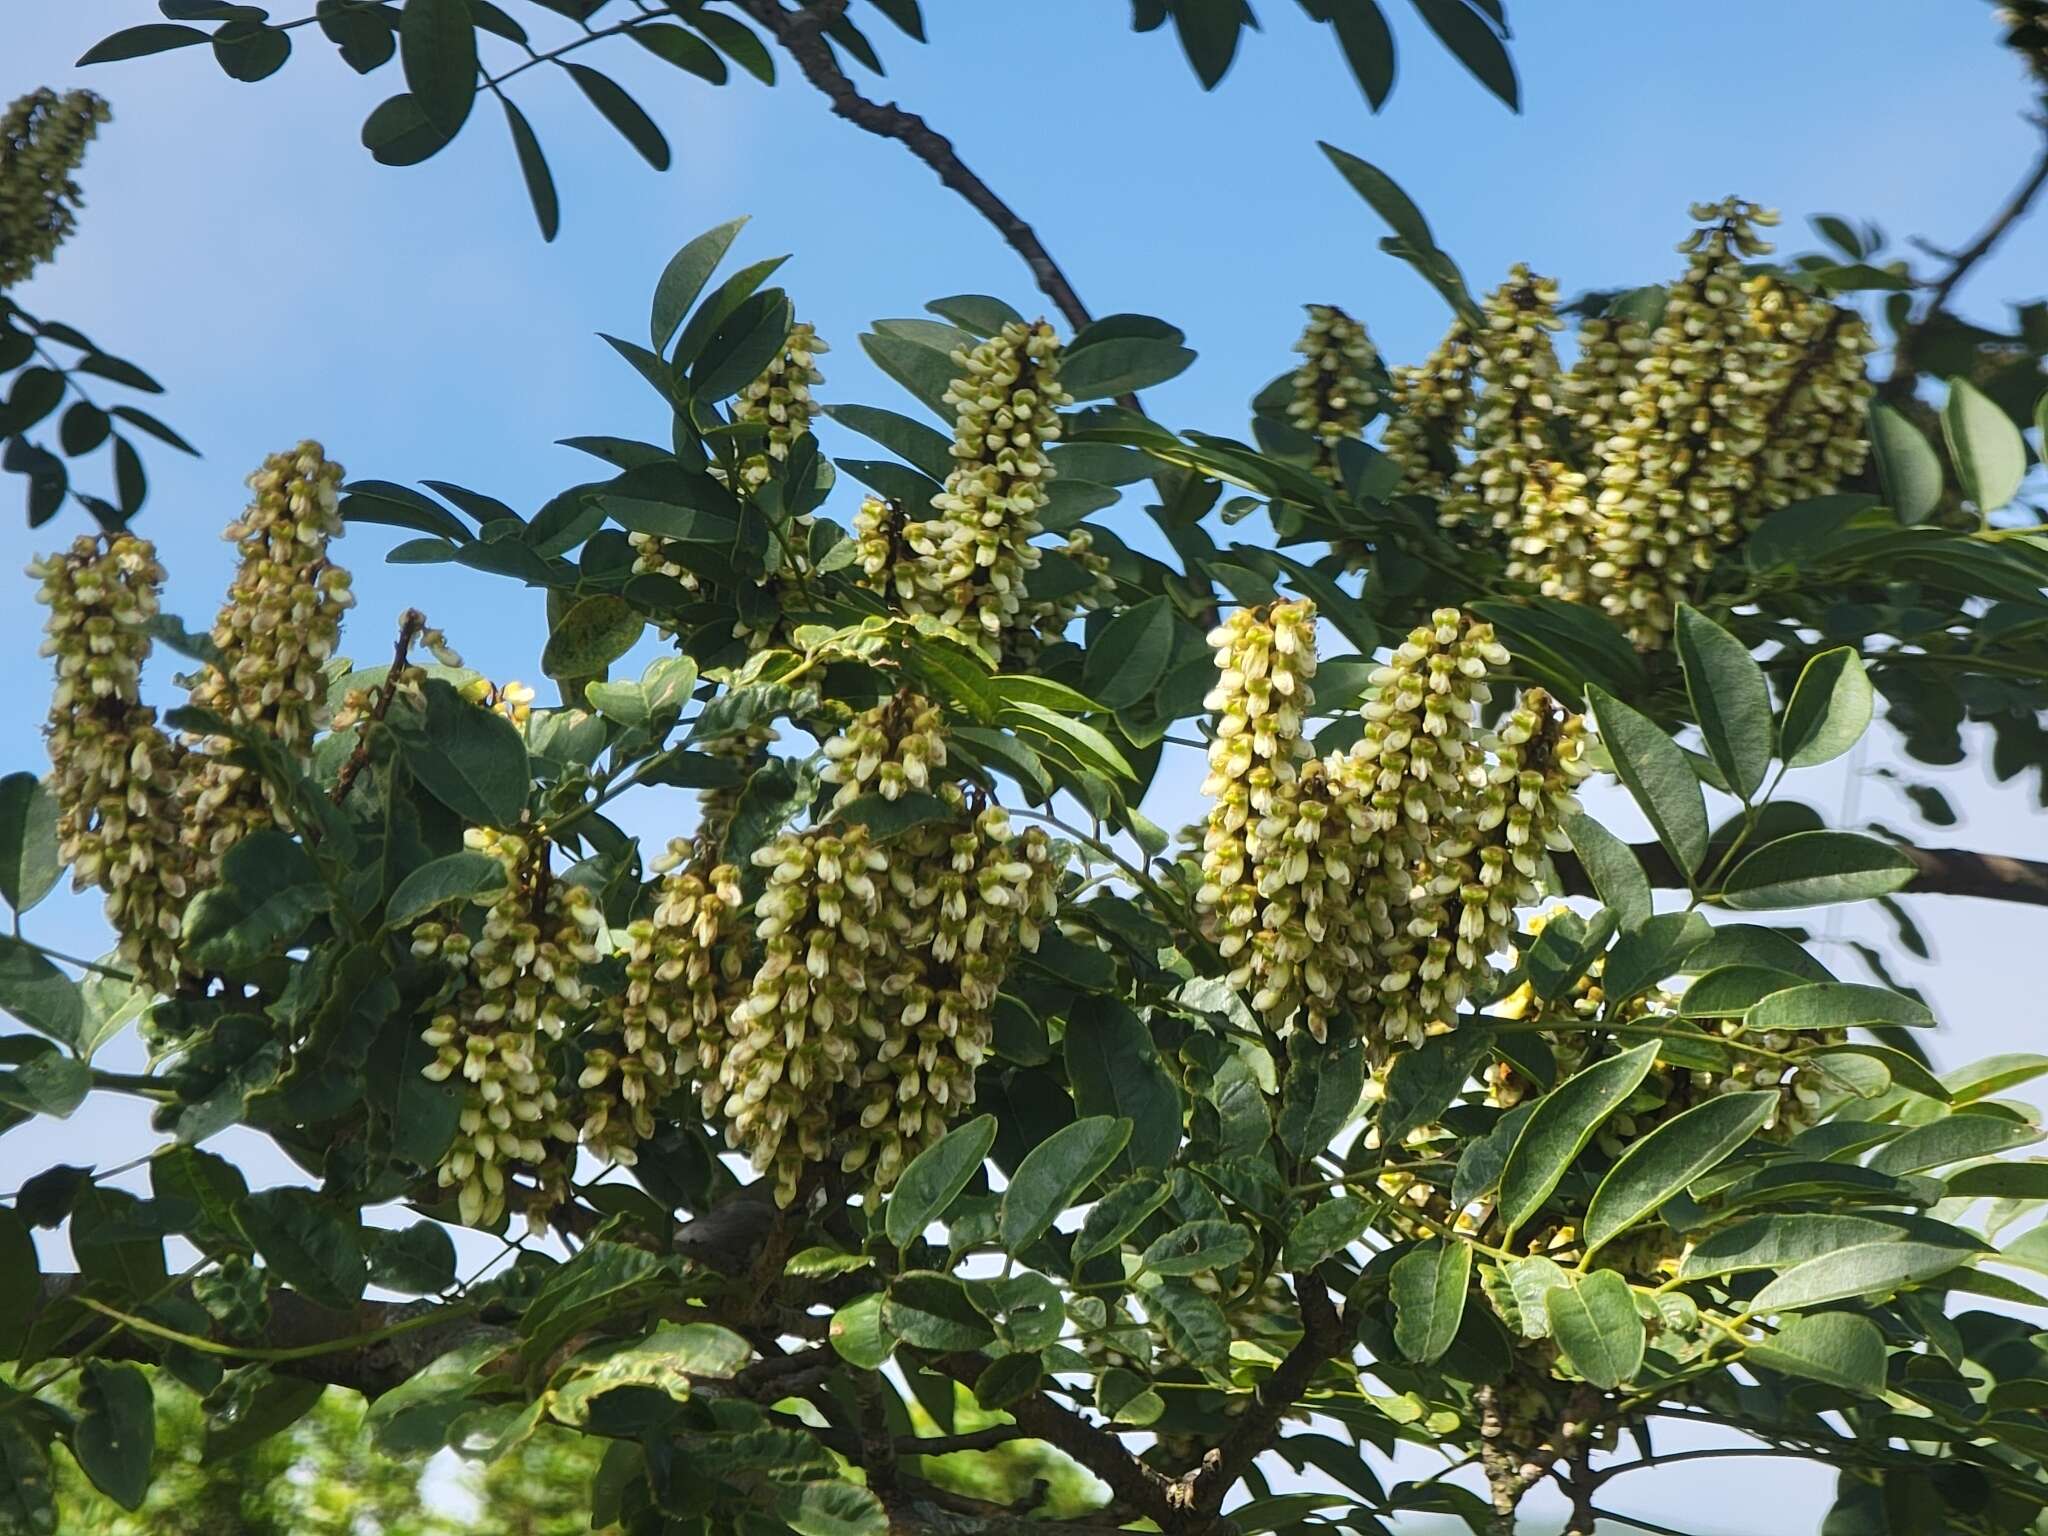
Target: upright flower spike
{"type": "Point", "coordinates": [1816, 438]}
{"type": "Point", "coordinates": [514, 990]}
{"type": "Point", "coordinates": [113, 771]}
{"type": "Point", "coordinates": [779, 403]}
{"type": "Point", "coordinates": [43, 138]}
{"type": "Point", "coordinates": [1515, 425]}
{"type": "Point", "coordinates": [975, 555]}
{"type": "Point", "coordinates": [273, 638]}
{"type": "Point", "coordinates": [1334, 395]}
{"type": "Point", "coordinates": [1431, 417]}
{"type": "Point", "coordinates": [889, 750]}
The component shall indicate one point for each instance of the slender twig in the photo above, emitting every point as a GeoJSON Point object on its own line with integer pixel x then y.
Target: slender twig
{"type": "Point", "coordinates": [410, 624]}
{"type": "Point", "coordinates": [1905, 362]}
{"type": "Point", "coordinates": [798, 33]}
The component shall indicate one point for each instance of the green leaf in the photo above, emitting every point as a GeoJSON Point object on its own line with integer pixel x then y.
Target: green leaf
{"type": "Point", "coordinates": [400, 506]}
{"type": "Point", "coordinates": [1118, 1214]}
{"type": "Point", "coordinates": [1645, 956]}
{"type": "Point", "coordinates": [977, 312]}
{"type": "Point", "coordinates": [928, 1310]}
{"type": "Point", "coordinates": [469, 758]}
{"type": "Point", "coordinates": [452, 877]}
{"type": "Point", "coordinates": [1955, 1138]}
{"type": "Point", "coordinates": [837, 1509]}
{"type": "Point", "coordinates": [1475, 45]}
{"type": "Point", "coordinates": [685, 50]}
{"type": "Point", "coordinates": [1325, 1230]}
{"type": "Point", "coordinates": [622, 112]}
{"type": "Point", "coordinates": [1812, 869]}
{"type": "Point", "coordinates": [1907, 466]}
{"type": "Point", "coordinates": [1008, 1379]}
{"type": "Point", "coordinates": [437, 50]}
{"type": "Point", "coordinates": [2001, 1181]}
{"type": "Point", "coordinates": [1320, 1097]}
{"type": "Point", "coordinates": [1595, 1323]}
{"type": "Point", "coordinates": [419, 1259]}
{"type": "Point", "coordinates": [1830, 708]}
{"type": "Point", "coordinates": [1121, 364]}
{"type": "Point", "coordinates": [1657, 774]}
{"type": "Point", "coordinates": [1865, 1272]}
{"type": "Point", "coordinates": [1197, 1247]}
{"type": "Point", "coordinates": [1560, 1126]}
{"type": "Point", "coordinates": [736, 42]}
{"type": "Point", "coordinates": [210, 1185]}
{"type": "Point", "coordinates": [1115, 1071]}
{"type": "Point", "coordinates": [47, 1083]}
{"type": "Point", "coordinates": [250, 50]}
{"type": "Point", "coordinates": [116, 1434]}
{"type": "Point", "coordinates": [1387, 199]}
{"type": "Point", "coordinates": [1054, 1173]}
{"type": "Point", "coordinates": [593, 634]}
{"type": "Point", "coordinates": [1835, 1347]}
{"type": "Point", "coordinates": [1987, 450]}
{"type": "Point", "coordinates": [1082, 741]}
{"type": "Point", "coordinates": [413, 1417]}
{"type": "Point", "coordinates": [533, 170]}
{"type": "Point", "coordinates": [857, 1334]}
{"type": "Point", "coordinates": [21, 1286]}
{"type": "Point", "coordinates": [307, 1245]}
{"type": "Point", "coordinates": [27, 1506]}
{"type": "Point", "coordinates": [269, 890]}
{"type": "Point", "coordinates": [37, 993]}
{"type": "Point", "coordinates": [1730, 991]}
{"type": "Point", "coordinates": [936, 1176]}
{"type": "Point", "coordinates": [1837, 1005]}
{"type": "Point", "coordinates": [1429, 1285]}
{"type": "Point", "coordinates": [1194, 1326]}
{"type": "Point", "coordinates": [397, 132]}
{"type": "Point", "coordinates": [1664, 1162]}
{"type": "Point", "coordinates": [135, 42]}
{"type": "Point", "coordinates": [683, 279]}
{"type": "Point", "coordinates": [1130, 655]}
{"type": "Point", "coordinates": [916, 444]}
{"type": "Point", "coordinates": [1730, 699]}
{"type": "Point", "coordinates": [1421, 1083]}
{"type": "Point", "coordinates": [1616, 872]}
{"type": "Point", "coordinates": [1782, 1241]}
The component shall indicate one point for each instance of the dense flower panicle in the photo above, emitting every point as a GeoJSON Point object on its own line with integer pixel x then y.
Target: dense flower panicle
{"type": "Point", "coordinates": [889, 750]}
{"type": "Point", "coordinates": [273, 637]}
{"type": "Point", "coordinates": [795, 1036]}
{"type": "Point", "coordinates": [887, 563]}
{"type": "Point", "coordinates": [1816, 438]}
{"type": "Point", "coordinates": [779, 402]}
{"type": "Point", "coordinates": [971, 560]}
{"type": "Point", "coordinates": [513, 991]}
{"type": "Point", "coordinates": [1590, 394]}
{"type": "Point", "coordinates": [1334, 395]}
{"type": "Point", "coordinates": [1516, 408]}
{"type": "Point", "coordinates": [1552, 545]}
{"type": "Point", "coordinates": [1432, 413]}
{"type": "Point", "coordinates": [114, 773]}
{"type": "Point", "coordinates": [666, 1028]}
{"type": "Point", "coordinates": [960, 900]}
{"type": "Point", "coordinates": [43, 138]}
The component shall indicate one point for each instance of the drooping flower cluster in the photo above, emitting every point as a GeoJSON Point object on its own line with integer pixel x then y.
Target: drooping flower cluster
{"type": "Point", "coordinates": [871, 997]}
{"type": "Point", "coordinates": [1688, 416]}
{"type": "Point", "coordinates": [43, 138]}
{"type": "Point", "coordinates": [114, 773]}
{"type": "Point", "coordinates": [666, 1029]}
{"type": "Point", "coordinates": [272, 640]}
{"type": "Point", "coordinates": [1516, 404]}
{"type": "Point", "coordinates": [512, 991]}
{"type": "Point", "coordinates": [1382, 880]}
{"type": "Point", "coordinates": [1430, 407]}
{"type": "Point", "coordinates": [1334, 395]}
{"type": "Point", "coordinates": [779, 403]}
{"type": "Point", "coordinates": [970, 563]}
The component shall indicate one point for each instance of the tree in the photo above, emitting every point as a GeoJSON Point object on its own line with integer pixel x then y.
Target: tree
{"type": "Point", "coordinates": [1325, 1130]}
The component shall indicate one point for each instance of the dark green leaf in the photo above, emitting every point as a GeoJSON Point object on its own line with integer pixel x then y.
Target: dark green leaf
{"type": "Point", "coordinates": [452, 877]}
{"type": "Point", "coordinates": [533, 169]}
{"type": "Point", "coordinates": [251, 51]}
{"type": "Point", "coordinates": [1122, 365]}
{"type": "Point", "coordinates": [1811, 869]}
{"type": "Point", "coordinates": [37, 993]}
{"type": "Point", "coordinates": [1560, 1126]}
{"type": "Point", "coordinates": [469, 758]}
{"type": "Point", "coordinates": [1197, 1247]}
{"type": "Point", "coordinates": [1327, 1229]}
{"type": "Point", "coordinates": [1319, 1098]}
{"type": "Point", "coordinates": [1730, 699]}
{"type": "Point", "coordinates": [1866, 1272]}
{"type": "Point", "coordinates": [83, 429]}
{"type": "Point", "coordinates": [1595, 1323]}
{"type": "Point", "coordinates": [155, 428]}
{"type": "Point", "coordinates": [1835, 1347]}
{"type": "Point", "coordinates": [1664, 1162]}
{"type": "Point", "coordinates": [912, 441]}
{"type": "Point", "coordinates": [1116, 1071]}
{"type": "Point", "coordinates": [1616, 873]}
{"type": "Point", "coordinates": [936, 1176]}
{"type": "Point", "coordinates": [592, 635]}
{"type": "Point", "coordinates": [134, 42]}
{"type": "Point", "coordinates": [1837, 1005]}
{"type": "Point", "coordinates": [683, 279]}
{"type": "Point", "coordinates": [1657, 774]}
{"type": "Point", "coordinates": [683, 49]}
{"type": "Point", "coordinates": [116, 1434]}
{"type": "Point", "coordinates": [1054, 1173]}
{"type": "Point", "coordinates": [623, 113]}
{"type": "Point", "coordinates": [270, 889]}
{"type": "Point", "coordinates": [736, 42]}
{"type": "Point", "coordinates": [1429, 1285]}
{"type": "Point", "coordinates": [1118, 1214]}
{"type": "Point", "coordinates": [437, 49]}
{"type": "Point", "coordinates": [932, 1311]}
{"type": "Point", "coordinates": [1475, 45]}
{"type": "Point", "coordinates": [29, 862]}
{"type": "Point", "coordinates": [1955, 1138]}
{"type": "Point", "coordinates": [397, 132]}
{"type": "Point", "coordinates": [306, 1244]}
{"type": "Point", "coordinates": [1829, 710]}
{"type": "Point", "coordinates": [420, 1259]}
{"type": "Point", "coordinates": [1194, 1325]}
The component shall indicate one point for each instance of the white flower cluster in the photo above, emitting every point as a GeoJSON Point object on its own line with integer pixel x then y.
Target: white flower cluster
{"type": "Point", "coordinates": [43, 137]}
{"type": "Point", "coordinates": [1334, 395]}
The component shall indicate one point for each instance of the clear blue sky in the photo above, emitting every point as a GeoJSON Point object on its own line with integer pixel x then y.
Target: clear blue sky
{"type": "Point", "coordinates": [240, 243]}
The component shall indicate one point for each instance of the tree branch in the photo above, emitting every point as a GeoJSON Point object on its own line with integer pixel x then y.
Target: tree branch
{"type": "Point", "coordinates": [798, 33]}
{"type": "Point", "coordinates": [1905, 364]}
{"type": "Point", "coordinates": [1940, 872]}
{"type": "Point", "coordinates": [1323, 1335]}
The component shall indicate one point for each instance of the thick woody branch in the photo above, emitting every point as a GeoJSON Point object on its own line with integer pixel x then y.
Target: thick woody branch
{"type": "Point", "coordinates": [1940, 872]}
{"type": "Point", "coordinates": [799, 33]}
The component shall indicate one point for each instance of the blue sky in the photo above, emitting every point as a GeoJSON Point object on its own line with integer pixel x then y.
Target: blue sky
{"type": "Point", "coordinates": [240, 243]}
